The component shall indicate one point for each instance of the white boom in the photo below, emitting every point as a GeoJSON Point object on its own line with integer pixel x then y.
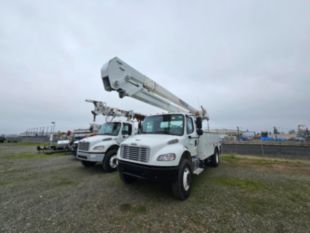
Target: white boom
{"type": "Point", "coordinates": [119, 76]}
{"type": "Point", "coordinates": [103, 109]}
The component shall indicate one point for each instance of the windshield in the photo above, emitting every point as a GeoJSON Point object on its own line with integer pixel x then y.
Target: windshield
{"type": "Point", "coordinates": [111, 128]}
{"type": "Point", "coordinates": [164, 124]}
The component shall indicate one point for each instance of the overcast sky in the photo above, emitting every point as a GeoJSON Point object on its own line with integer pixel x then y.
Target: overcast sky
{"type": "Point", "coordinates": [247, 62]}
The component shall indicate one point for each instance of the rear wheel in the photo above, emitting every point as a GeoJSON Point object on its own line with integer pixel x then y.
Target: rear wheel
{"type": "Point", "coordinates": [215, 159]}
{"type": "Point", "coordinates": [127, 179]}
{"type": "Point", "coordinates": [88, 163]}
{"type": "Point", "coordinates": [109, 162]}
{"type": "Point", "coordinates": [182, 186]}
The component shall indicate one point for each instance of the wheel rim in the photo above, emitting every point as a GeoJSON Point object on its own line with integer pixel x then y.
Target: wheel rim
{"type": "Point", "coordinates": [113, 161]}
{"type": "Point", "coordinates": [216, 158]}
{"type": "Point", "coordinates": [186, 179]}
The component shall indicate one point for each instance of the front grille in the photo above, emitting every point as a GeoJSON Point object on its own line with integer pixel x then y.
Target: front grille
{"type": "Point", "coordinates": [84, 146]}
{"type": "Point", "coordinates": [141, 154]}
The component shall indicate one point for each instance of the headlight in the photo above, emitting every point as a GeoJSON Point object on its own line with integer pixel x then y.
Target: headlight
{"type": "Point", "coordinates": [100, 148]}
{"type": "Point", "coordinates": [166, 157]}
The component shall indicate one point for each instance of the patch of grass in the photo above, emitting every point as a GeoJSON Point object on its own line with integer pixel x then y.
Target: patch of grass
{"type": "Point", "coordinates": [63, 181]}
{"type": "Point", "coordinates": [4, 182]}
{"type": "Point", "coordinates": [253, 160]}
{"type": "Point", "coordinates": [17, 177]}
{"type": "Point", "coordinates": [298, 197]}
{"type": "Point", "coordinates": [229, 157]}
{"type": "Point", "coordinates": [32, 156]}
{"type": "Point", "coordinates": [240, 183]}
{"type": "Point", "coordinates": [125, 207]}
{"type": "Point", "coordinates": [138, 209]}
{"type": "Point", "coordinates": [114, 181]}
{"type": "Point", "coordinates": [265, 161]}
{"type": "Point", "coordinates": [258, 206]}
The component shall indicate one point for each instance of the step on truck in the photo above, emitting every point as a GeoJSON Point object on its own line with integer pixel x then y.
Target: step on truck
{"type": "Point", "coordinates": [171, 147]}
{"type": "Point", "coordinates": [102, 148]}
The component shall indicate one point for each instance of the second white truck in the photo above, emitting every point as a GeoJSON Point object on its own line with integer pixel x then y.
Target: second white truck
{"type": "Point", "coordinates": [102, 148]}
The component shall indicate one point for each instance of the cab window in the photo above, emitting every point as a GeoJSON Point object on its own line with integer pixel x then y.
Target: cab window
{"type": "Point", "coordinates": [126, 129]}
{"type": "Point", "coordinates": [189, 125]}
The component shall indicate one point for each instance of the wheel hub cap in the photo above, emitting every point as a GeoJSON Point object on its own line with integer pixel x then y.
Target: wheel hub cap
{"type": "Point", "coordinates": [186, 179]}
{"type": "Point", "coordinates": [113, 161]}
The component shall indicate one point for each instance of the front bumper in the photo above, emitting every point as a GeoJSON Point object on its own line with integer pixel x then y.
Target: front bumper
{"type": "Point", "coordinates": [90, 156]}
{"type": "Point", "coordinates": [154, 173]}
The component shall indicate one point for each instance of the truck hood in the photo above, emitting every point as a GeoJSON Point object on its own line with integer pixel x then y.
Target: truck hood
{"type": "Point", "coordinates": [97, 138]}
{"type": "Point", "coordinates": [154, 141]}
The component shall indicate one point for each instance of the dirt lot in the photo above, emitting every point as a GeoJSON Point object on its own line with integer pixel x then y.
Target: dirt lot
{"type": "Point", "coordinates": [54, 193]}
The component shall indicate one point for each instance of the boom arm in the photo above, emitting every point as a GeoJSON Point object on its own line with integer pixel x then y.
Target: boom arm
{"type": "Point", "coordinates": [102, 109]}
{"type": "Point", "coordinates": [119, 76]}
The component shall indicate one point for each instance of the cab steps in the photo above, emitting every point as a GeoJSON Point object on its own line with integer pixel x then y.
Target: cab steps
{"type": "Point", "coordinates": [198, 171]}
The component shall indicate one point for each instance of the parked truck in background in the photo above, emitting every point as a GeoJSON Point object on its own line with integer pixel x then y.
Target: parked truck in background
{"type": "Point", "coordinates": [102, 148]}
{"type": "Point", "coordinates": [79, 134]}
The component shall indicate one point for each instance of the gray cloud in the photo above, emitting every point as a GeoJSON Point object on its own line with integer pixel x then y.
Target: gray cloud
{"type": "Point", "coordinates": [247, 62]}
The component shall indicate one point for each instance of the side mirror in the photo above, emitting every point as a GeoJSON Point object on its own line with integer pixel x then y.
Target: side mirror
{"type": "Point", "coordinates": [199, 132]}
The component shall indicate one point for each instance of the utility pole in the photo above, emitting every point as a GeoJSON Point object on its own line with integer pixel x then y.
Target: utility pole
{"type": "Point", "coordinates": [238, 133]}
{"type": "Point", "coordinates": [52, 131]}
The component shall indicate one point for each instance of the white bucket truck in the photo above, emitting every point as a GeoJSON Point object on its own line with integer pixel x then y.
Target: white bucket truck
{"type": "Point", "coordinates": [170, 147]}
{"type": "Point", "coordinates": [102, 148]}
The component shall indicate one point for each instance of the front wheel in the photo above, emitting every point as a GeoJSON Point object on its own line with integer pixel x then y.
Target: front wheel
{"type": "Point", "coordinates": [182, 186]}
{"type": "Point", "coordinates": [215, 159]}
{"type": "Point", "coordinates": [109, 162]}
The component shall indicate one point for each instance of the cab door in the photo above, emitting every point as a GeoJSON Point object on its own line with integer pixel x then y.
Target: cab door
{"type": "Point", "coordinates": [192, 137]}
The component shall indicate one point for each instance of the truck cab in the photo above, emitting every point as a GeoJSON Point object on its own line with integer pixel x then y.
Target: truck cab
{"type": "Point", "coordinates": [103, 147]}
{"type": "Point", "coordinates": [170, 148]}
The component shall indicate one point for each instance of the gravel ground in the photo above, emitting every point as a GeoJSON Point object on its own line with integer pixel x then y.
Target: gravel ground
{"type": "Point", "coordinates": [54, 193]}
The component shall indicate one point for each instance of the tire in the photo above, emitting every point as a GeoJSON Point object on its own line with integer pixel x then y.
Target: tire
{"type": "Point", "coordinates": [182, 186]}
{"type": "Point", "coordinates": [127, 179]}
{"type": "Point", "coordinates": [88, 163]}
{"type": "Point", "coordinates": [215, 159]}
{"type": "Point", "coordinates": [109, 163]}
